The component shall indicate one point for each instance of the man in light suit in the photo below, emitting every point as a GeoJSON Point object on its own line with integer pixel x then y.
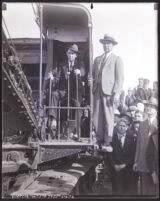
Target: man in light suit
{"type": "Point", "coordinates": [108, 77]}
{"type": "Point", "coordinates": [146, 128]}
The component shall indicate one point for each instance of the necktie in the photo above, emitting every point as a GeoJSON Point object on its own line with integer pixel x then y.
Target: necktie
{"type": "Point", "coordinates": [121, 138]}
{"type": "Point", "coordinates": [70, 66]}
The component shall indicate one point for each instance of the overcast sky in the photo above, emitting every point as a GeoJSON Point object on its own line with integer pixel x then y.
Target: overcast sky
{"type": "Point", "coordinates": [133, 25]}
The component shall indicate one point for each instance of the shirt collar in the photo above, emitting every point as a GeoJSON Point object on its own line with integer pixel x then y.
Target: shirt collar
{"type": "Point", "coordinates": [120, 135]}
{"type": "Point", "coordinates": [108, 54]}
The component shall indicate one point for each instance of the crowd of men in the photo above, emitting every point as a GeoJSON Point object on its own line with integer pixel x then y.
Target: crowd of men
{"type": "Point", "coordinates": [134, 158]}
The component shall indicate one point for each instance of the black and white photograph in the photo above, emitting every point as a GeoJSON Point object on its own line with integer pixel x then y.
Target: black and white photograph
{"type": "Point", "coordinates": [79, 100]}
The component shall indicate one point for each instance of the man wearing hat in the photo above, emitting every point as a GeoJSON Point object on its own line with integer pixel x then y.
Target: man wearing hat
{"type": "Point", "coordinates": [147, 91]}
{"type": "Point", "coordinates": [129, 99]}
{"type": "Point", "coordinates": [155, 89]}
{"type": "Point", "coordinates": [108, 78]}
{"type": "Point", "coordinates": [68, 79]}
{"type": "Point", "coordinates": [138, 91]}
{"type": "Point", "coordinates": [146, 128]}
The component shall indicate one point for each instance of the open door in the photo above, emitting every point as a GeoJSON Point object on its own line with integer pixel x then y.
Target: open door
{"type": "Point", "coordinates": [61, 26]}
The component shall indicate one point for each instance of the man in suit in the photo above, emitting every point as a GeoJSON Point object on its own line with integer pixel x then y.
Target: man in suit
{"type": "Point", "coordinates": [155, 89]}
{"type": "Point", "coordinates": [145, 129]}
{"type": "Point", "coordinates": [129, 99]}
{"type": "Point", "coordinates": [121, 159]}
{"type": "Point", "coordinates": [138, 91]}
{"type": "Point", "coordinates": [147, 91]}
{"type": "Point", "coordinates": [68, 85]}
{"type": "Point", "coordinates": [152, 159]}
{"type": "Point", "coordinates": [108, 77]}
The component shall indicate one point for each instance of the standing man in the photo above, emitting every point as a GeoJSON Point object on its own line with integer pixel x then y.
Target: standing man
{"type": "Point", "coordinates": [129, 100]}
{"type": "Point", "coordinates": [121, 159]}
{"type": "Point", "coordinates": [146, 128]}
{"type": "Point", "coordinates": [147, 91]}
{"type": "Point", "coordinates": [108, 77]}
{"type": "Point", "coordinates": [138, 91]}
{"type": "Point", "coordinates": [155, 89]}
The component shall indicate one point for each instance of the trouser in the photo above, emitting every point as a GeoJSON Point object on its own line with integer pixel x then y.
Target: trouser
{"type": "Point", "coordinates": [103, 117]}
{"type": "Point", "coordinates": [121, 184]}
{"type": "Point", "coordinates": [148, 187]}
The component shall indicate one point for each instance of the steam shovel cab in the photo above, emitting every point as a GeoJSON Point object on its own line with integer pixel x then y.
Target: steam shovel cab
{"type": "Point", "coordinates": [62, 25]}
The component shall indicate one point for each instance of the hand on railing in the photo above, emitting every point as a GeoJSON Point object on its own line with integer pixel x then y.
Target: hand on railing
{"type": "Point", "coordinates": [77, 72]}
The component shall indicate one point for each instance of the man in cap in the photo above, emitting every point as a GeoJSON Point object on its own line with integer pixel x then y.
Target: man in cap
{"type": "Point", "coordinates": [132, 109]}
{"type": "Point", "coordinates": [155, 89]}
{"type": "Point", "coordinates": [146, 128]}
{"type": "Point", "coordinates": [147, 91]}
{"type": "Point", "coordinates": [138, 91]}
{"type": "Point", "coordinates": [129, 100]}
{"type": "Point", "coordinates": [67, 85]}
{"type": "Point", "coordinates": [108, 78]}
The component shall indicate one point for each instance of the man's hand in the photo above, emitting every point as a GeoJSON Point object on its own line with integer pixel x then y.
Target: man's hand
{"type": "Point", "coordinates": [114, 98]}
{"type": "Point", "coordinates": [50, 75]}
{"type": "Point", "coordinates": [77, 72]}
{"type": "Point", "coordinates": [135, 167]}
{"type": "Point", "coordinates": [155, 178]}
{"type": "Point", "coordinates": [122, 166]}
{"type": "Point", "coordinates": [117, 168]}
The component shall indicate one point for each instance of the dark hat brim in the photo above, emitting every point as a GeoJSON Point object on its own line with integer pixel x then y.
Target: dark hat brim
{"type": "Point", "coordinates": [126, 115]}
{"type": "Point", "coordinates": [152, 105]}
{"type": "Point", "coordinates": [104, 40]}
{"type": "Point", "coordinates": [73, 50]}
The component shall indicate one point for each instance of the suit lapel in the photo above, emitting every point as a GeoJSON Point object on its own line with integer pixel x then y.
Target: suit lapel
{"type": "Point", "coordinates": [125, 142]}
{"type": "Point", "coordinates": [104, 62]}
{"type": "Point", "coordinates": [107, 60]}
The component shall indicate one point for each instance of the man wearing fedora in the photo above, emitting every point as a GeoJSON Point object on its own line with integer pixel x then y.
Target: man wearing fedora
{"type": "Point", "coordinates": [67, 80]}
{"type": "Point", "coordinates": [146, 128]}
{"type": "Point", "coordinates": [108, 78]}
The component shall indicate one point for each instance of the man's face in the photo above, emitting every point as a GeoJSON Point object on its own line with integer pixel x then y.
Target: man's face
{"type": "Point", "coordinates": [132, 113]}
{"type": "Point", "coordinates": [107, 46]}
{"type": "Point", "coordinates": [129, 92]}
{"type": "Point", "coordinates": [146, 85]}
{"type": "Point", "coordinates": [71, 56]}
{"type": "Point", "coordinates": [116, 118]}
{"type": "Point", "coordinates": [151, 111]}
{"type": "Point", "coordinates": [122, 127]}
{"type": "Point", "coordinates": [86, 113]}
{"type": "Point", "coordinates": [138, 116]}
{"type": "Point", "coordinates": [136, 127]}
{"type": "Point", "coordinates": [141, 83]}
{"type": "Point", "coordinates": [155, 87]}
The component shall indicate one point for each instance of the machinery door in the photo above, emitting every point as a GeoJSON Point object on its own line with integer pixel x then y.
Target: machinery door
{"type": "Point", "coordinates": [67, 117]}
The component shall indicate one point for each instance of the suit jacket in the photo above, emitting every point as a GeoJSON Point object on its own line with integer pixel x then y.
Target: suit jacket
{"type": "Point", "coordinates": [152, 153]}
{"type": "Point", "coordinates": [129, 101]}
{"type": "Point", "coordinates": [142, 143]}
{"type": "Point", "coordinates": [63, 70]}
{"type": "Point", "coordinates": [143, 94]}
{"type": "Point", "coordinates": [111, 72]}
{"type": "Point", "coordinates": [125, 154]}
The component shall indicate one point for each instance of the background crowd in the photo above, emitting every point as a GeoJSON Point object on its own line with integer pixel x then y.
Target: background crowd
{"type": "Point", "coordinates": [134, 159]}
